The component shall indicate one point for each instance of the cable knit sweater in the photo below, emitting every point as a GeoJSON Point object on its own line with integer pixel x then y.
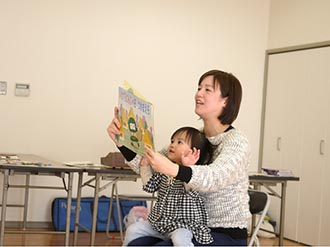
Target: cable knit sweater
{"type": "Point", "coordinates": [225, 181]}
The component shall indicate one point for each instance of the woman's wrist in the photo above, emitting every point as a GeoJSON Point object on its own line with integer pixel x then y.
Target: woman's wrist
{"type": "Point", "coordinates": [184, 173]}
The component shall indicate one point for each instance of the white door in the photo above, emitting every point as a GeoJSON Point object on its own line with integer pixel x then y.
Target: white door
{"type": "Point", "coordinates": [283, 128]}
{"type": "Point", "coordinates": [313, 162]}
{"type": "Point", "coordinates": [325, 204]}
{"type": "Point", "coordinates": [315, 107]}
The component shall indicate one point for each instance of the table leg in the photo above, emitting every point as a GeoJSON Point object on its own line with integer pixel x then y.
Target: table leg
{"type": "Point", "coordinates": [68, 209]}
{"type": "Point", "coordinates": [95, 208]}
{"type": "Point", "coordinates": [283, 197]}
{"type": "Point", "coordinates": [76, 225]}
{"type": "Point", "coordinates": [119, 213]}
{"type": "Point", "coordinates": [26, 199]}
{"type": "Point", "coordinates": [4, 205]}
{"type": "Point", "coordinates": [110, 213]}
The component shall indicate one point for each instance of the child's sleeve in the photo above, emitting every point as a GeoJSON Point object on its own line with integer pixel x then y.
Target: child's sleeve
{"type": "Point", "coordinates": [145, 173]}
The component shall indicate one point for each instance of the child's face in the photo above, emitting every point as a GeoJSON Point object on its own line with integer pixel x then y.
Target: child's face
{"type": "Point", "coordinates": [178, 146]}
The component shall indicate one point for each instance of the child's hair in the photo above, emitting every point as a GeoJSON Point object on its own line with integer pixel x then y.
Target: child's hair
{"type": "Point", "coordinates": [199, 141]}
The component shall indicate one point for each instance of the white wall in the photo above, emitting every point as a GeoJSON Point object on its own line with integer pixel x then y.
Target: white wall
{"type": "Point", "coordinates": [74, 54]}
{"type": "Point", "coordinates": [298, 22]}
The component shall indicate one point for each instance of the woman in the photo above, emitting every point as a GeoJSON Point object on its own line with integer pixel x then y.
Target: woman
{"type": "Point", "coordinates": [225, 180]}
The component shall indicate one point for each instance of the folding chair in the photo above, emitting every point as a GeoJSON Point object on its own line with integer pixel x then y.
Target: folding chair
{"type": "Point", "coordinates": [259, 205]}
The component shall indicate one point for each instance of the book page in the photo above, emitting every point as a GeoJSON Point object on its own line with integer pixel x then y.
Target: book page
{"type": "Point", "coordinates": [136, 119]}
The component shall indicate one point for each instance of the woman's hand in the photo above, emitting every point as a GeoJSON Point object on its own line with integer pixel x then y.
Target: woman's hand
{"type": "Point", "coordinates": [191, 157]}
{"type": "Point", "coordinates": [160, 163]}
{"type": "Point", "coordinates": [113, 128]}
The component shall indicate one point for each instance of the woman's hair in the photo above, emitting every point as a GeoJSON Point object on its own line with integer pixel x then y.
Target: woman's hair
{"type": "Point", "coordinates": [231, 88]}
{"type": "Point", "coordinates": [199, 141]}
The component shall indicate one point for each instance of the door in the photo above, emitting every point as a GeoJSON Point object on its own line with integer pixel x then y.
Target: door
{"type": "Point", "coordinates": [315, 122]}
{"type": "Point", "coordinates": [283, 127]}
{"type": "Point", "coordinates": [296, 137]}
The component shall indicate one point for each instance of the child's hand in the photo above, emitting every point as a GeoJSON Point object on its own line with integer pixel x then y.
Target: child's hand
{"type": "Point", "coordinates": [191, 157]}
{"type": "Point", "coordinates": [160, 163]}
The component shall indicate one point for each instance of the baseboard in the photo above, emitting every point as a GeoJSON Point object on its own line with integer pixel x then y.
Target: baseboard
{"type": "Point", "coordinates": [30, 224]}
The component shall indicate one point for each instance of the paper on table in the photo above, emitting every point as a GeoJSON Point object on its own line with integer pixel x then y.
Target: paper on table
{"type": "Point", "coordinates": [278, 172]}
{"type": "Point", "coordinates": [84, 164]}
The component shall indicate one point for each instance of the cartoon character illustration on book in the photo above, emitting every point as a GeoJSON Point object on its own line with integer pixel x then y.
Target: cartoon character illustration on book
{"type": "Point", "coordinates": [132, 128]}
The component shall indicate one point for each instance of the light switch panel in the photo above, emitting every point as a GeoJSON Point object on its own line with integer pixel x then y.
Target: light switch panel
{"type": "Point", "coordinates": [22, 89]}
{"type": "Point", "coordinates": [3, 87]}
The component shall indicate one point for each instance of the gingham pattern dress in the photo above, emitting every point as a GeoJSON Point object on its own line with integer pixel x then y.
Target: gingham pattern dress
{"type": "Point", "coordinates": [177, 207]}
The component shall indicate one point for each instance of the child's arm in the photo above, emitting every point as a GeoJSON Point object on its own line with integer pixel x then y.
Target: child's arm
{"type": "Point", "coordinates": [145, 171]}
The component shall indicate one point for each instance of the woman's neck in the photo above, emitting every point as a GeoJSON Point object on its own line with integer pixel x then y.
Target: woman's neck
{"type": "Point", "coordinates": [213, 128]}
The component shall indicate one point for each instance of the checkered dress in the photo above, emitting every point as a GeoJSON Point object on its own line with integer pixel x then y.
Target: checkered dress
{"type": "Point", "coordinates": [177, 208]}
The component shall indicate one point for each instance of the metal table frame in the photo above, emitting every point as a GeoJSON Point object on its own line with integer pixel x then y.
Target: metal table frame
{"type": "Point", "coordinates": [115, 175]}
{"type": "Point", "coordinates": [52, 169]}
{"type": "Point", "coordinates": [267, 182]}
{"type": "Point", "coordinates": [112, 176]}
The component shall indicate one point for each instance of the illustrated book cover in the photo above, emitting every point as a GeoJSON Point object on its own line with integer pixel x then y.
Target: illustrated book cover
{"type": "Point", "coordinates": [136, 120]}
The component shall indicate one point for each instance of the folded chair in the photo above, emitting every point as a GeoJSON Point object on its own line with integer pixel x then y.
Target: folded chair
{"type": "Point", "coordinates": [259, 205]}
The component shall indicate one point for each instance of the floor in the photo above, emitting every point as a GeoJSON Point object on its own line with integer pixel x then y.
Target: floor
{"type": "Point", "coordinates": [101, 239]}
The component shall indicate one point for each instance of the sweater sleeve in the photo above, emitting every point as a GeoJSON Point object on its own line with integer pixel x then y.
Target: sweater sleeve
{"type": "Point", "coordinates": [146, 173]}
{"type": "Point", "coordinates": [184, 173]}
{"type": "Point", "coordinates": [127, 153]}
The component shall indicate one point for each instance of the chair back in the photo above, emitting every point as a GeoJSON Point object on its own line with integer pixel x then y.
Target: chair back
{"type": "Point", "coordinates": [258, 201]}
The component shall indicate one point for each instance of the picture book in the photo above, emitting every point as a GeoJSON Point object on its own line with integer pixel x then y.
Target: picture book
{"type": "Point", "coordinates": [136, 120]}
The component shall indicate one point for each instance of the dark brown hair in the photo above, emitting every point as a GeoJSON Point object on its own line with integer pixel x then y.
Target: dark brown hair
{"type": "Point", "coordinates": [231, 88]}
{"type": "Point", "coordinates": [199, 141]}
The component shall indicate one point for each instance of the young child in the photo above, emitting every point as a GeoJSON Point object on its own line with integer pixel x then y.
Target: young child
{"type": "Point", "coordinates": [178, 214]}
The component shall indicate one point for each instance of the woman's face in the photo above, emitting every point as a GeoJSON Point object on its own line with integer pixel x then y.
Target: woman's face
{"type": "Point", "coordinates": [208, 100]}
